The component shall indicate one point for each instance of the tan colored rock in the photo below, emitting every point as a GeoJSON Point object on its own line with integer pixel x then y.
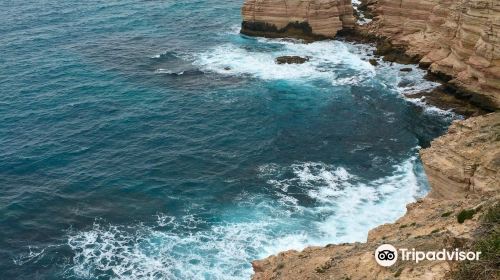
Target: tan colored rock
{"type": "Point", "coordinates": [296, 18]}
{"type": "Point", "coordinates": [429, 224]}
{"type": "Point", "coordinates": [466, 159]}
{"type": "Point", "coordinates": [460, 39]}
{"type": "Point", "coordinates": [423, 228]}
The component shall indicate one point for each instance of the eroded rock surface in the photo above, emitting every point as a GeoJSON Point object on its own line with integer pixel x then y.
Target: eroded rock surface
{"type": "Point", "coordinates": [305, 19]}
{"type": "Point", "coordinates": [459, 39]}
{"type": "Point", "coordinates": [429, 224]}
{"type": "Point", "coordinates": [466, 159]}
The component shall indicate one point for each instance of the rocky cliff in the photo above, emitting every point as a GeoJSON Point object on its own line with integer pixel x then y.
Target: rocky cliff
{"type": "Point", "coordinates": [466, 159]}
{"type": "Point", "coordinates": [306, 19]}
{"type": "Point", "coordinates": [459, 41]}
{"type": "Point", "coordinates": [464, 171]}
{"type": "Point", "coordinates": [455, 38]}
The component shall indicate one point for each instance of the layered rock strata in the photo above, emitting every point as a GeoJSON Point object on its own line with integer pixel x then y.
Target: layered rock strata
{"type": "Point", "coordinates": [459, 39]}
{"type": "Point", "coordinates": [306, 19]}
{"type": "Point", "coordinates": [466, 159]}
{"type": "Point", "coordinates": [464, 172]}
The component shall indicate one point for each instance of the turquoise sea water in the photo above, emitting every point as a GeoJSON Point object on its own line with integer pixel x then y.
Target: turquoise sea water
{"type": "Point", "coordinates": [150, 140]}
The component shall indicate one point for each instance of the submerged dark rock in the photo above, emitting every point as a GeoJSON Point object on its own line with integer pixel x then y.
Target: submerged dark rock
{"type": "Point", "coordinates": [405, 83]}
{"type": "Point", "coordinates": [287, 59]}
{"type": "Point", "coordinates": [406, 69]}
{"type": "Point", "coordinates": [373, 62]}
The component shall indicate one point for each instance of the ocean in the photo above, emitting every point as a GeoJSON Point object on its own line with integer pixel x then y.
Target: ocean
{"type": "Point", "coordinates": [150, 140]}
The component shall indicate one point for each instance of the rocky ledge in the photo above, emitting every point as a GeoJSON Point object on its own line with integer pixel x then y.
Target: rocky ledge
{"type": "Point", "coordinates": [464, 172]}
{"type": "Point", "coordinates": [459, 40]}
{"type": "Point", "coordinates": [466, 159]}
{"type": "Point", "coordinates": [304, 19]}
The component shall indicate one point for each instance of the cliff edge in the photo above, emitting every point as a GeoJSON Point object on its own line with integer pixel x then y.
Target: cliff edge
{"type": "Point", "coordinates": [456, 39]}
{"type": "Point", "coordinates": [433, 223]}
{"type": "Point", "coordinates": [459, 42]}
{"type": "Point", "coordinates": [305, 19]}
{"type": "Point", "coordinates": [466, 159]}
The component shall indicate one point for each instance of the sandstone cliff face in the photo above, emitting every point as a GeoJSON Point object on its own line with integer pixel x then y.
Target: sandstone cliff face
{"type": "Point", "coordinates": [429, 224]}
{"type": "Point", "coordinates": [460, 39]}
{"type": "Point", "coordinates": [466, 159]}
{"type": "Point", "coordinates": [296, 18]}
{"type": "Point", "coordinates": [423, 228]}
{"type": "Point", "coordinates": [457, 39]}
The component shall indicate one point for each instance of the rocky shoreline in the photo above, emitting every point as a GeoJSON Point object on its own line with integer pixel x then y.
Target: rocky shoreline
{"type": "Point", "coordinates": [459, 43]}
{"type": "Point", "coordinates": [432, 223]}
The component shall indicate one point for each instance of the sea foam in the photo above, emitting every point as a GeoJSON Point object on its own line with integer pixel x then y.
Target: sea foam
{"type": "Point", "coordinates": [309, 203]}
{"type": "Point", "coordinates": [313, 204]}
{"type": "Point", "coordinates": [231, 59]}
{"type": "Point", "coordinates": [328, 61]}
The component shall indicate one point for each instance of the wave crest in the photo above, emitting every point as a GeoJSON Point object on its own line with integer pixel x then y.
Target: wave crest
{"type": "Point", "coordinates": [313, 204]}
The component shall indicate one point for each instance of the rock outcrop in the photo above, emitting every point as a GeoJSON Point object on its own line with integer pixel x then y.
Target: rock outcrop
{"type": "Point", "coordinates": [459, 39]}
{"type": "Point", "coordinates": [466, 159]}
{"type": "Point", "coordinates": [429, 224]}
{"type": "Point", "coordinates": [305, 19]}
{"type": "Point", "coordinates": [287, 59]}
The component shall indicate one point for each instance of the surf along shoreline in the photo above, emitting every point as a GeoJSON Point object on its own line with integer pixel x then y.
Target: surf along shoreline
{"type": "Point", "coordinates": [433, 221]}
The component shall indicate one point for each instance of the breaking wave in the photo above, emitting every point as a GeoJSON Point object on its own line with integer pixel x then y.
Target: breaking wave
{"type": "Point", "coordinates": [325, 57]}
{"type": "Point", "coordinates": [337, 62]}
{"type": "Point", "coordinates": [316, 203]}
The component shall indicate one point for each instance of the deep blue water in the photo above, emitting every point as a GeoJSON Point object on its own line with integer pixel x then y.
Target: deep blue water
{"type": "Point", "coordinates": [149, 140]}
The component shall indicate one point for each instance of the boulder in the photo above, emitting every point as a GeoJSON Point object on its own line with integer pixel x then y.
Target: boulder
{"type": "Point", "coordinates": [291, 59]}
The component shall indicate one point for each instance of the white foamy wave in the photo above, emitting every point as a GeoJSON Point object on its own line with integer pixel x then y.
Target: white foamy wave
{"type": "Point", "coordinates": [362, 20]}
{"type": "Point", "coordinates": [412, 82]}
{"type": "Point", "coordinates": [166, 71]}
{"type": "Point", "coordinates": [325, 56]}
{"type": "Point", "coordinates": [433, 110]}
{"type": "Point", "coordinates": [353, 80]}
{"type": "Point", "coordinates": [232, 60]}
{"type": "Point", "coordinates": [163, 54]}
{"type": "Point", "coordinates": [402, 83]}
{"type": "Point", "coordinates": [366, 205]}
{"type": "Point", "coordinates": [328, 60]}
{"type": "Point", "coordinates": [314, 204]}
{"type": "Point", "coordinates": [144, 252]}
{"type": "Point", "coordinates": [390, 76]}
{"type": "Point", "coordinates": [349, 205]}
{"type": "Point", "coordinates": [33, 255]}
{"type": "Point", "coordinates": [235, 29]}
